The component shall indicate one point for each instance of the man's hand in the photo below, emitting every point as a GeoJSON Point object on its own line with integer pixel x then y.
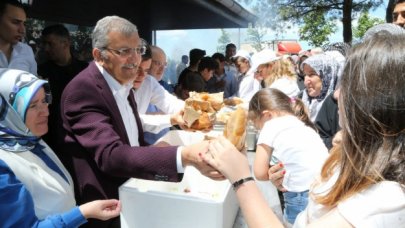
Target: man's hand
{"type": "Point", "coordinates": [223, 156]}
{"type": "Point", "coordinates": [192, 156]}
{"type": "Point", "coordinates": [177, 119]}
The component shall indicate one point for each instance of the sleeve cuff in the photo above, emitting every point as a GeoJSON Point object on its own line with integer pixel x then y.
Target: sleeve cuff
{"type": "Point", "coordinates": [74, 217]}
{"type": "Point", "coordinates": [180, 168]}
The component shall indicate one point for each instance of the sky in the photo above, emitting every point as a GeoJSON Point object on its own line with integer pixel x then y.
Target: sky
{"type": "Point", "coordinates": [178, 42]}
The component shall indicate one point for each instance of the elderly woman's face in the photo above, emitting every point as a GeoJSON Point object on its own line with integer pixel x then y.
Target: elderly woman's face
{"type": "Point", "coordinates": [312, 81]}
{"type": "Point", "coordinates": [37, 114]}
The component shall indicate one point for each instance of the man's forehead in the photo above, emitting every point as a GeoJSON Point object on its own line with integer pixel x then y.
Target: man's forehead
{"type": "Point", "coordinates": [15, 11]}
{"type": "Point", "coordinates": [399, 7]}
{"type": "Point", "coordinates": [52, 37]}
{"type": "Point", "coordinates": [159, 56]}
{"type": "Point", "coordinates": [120, 37]}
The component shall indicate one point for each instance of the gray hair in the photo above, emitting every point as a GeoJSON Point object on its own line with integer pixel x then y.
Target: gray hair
{"type": "Point", "coordinates": [389, 28]}
{"type": "Point", "coordinates": [108, 24]}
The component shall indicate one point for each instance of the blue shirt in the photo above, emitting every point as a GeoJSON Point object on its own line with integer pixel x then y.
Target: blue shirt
{"type": "Point", "coordinates": [17, 206]}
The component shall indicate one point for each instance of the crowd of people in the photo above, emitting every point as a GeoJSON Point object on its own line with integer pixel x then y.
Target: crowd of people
{"type": "Point", "coordinates": [331, 124]}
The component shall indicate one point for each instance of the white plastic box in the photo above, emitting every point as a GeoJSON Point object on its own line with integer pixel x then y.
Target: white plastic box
{"type": "Point", "coordinates": [196, 201]}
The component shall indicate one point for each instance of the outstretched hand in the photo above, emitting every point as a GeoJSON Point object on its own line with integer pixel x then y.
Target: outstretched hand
{"type": "Point", "coordinates": [177, 119]}
{"type": "Point", "coordinates": [223, 156]}
{"type": "Point", "coordinates": [192, 155]}
{"type": "Point", "coordinates": [101, 209]}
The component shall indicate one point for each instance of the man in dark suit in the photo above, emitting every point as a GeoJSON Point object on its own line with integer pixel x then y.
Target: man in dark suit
{"type": "Point", "coordinates": [104, 138]}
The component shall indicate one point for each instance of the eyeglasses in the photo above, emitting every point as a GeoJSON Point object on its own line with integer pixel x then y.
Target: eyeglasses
{"type": "Point", "coordinates": [159, 64]}
{"type": "Point", "coordinates": [127, 52]}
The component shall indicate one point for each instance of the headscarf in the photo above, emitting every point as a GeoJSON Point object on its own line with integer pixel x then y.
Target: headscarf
{"type": "Point", "coordinates": [341, 47]}
{"type": "Point", "coordinates": [17, 88]}
{"type": "Point", "coordinates": [328, 68]}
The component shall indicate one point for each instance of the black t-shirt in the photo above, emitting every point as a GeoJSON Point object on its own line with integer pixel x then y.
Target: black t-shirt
{"type": "Point", "coordinates": [58, 77]}
{"type": "Point", "coordinates": [183, 76]}
{"type": "Point", "coordinates": [195, 82]}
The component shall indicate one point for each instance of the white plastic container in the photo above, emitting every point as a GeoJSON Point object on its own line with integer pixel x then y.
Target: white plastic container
{"type": "Point", "coordinates": [196, 201]}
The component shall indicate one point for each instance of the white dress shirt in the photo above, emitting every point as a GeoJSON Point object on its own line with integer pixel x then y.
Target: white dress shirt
{"type": "Point", "coordinates": [121, 93]}
{"type": "Point", "coordinates": [22, 58]}
{"type": "Point", "coordinates": [151, 92]}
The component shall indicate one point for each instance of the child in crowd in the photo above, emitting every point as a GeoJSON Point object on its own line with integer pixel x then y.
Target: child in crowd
{"type": "Point", "coordinates": [288, 137]}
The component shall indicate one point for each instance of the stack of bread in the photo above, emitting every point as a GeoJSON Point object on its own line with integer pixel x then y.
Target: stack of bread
{"type": "Point", "coordinates": [200, 110]}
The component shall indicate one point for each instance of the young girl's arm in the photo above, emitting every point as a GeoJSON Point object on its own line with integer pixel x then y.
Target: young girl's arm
{"type": "Point", "coordinates": [261, 164]}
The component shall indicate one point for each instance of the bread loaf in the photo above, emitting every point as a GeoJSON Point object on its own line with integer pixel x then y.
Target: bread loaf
{"type": "Point", "coordinates": [233, 101]}
{"type": "Point", "coordinates": [235, 128]}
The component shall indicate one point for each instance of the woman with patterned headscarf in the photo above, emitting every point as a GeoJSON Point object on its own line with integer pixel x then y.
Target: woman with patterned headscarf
{"type": "Point", "coordinates": [35, 188]}
{"type": "Point", "coordinates": [321, 77]}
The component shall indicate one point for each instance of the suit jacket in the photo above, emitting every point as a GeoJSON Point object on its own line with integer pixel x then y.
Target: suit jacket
{"type": "Point", "coordinates": [96, 148]}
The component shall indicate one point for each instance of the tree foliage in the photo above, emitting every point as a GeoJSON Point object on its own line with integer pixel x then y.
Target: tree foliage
{"type": "Point", "coordinates": [256, 35]}
{"type": "Point", "coordinates": [342, 10]}
{"type": "Point", "coordinates": [364, 23]}
{"type": "Point", "coordinates": [34, 29]}
{"type": "Point", "coordinates": [223, 40]}
{"type": "Point", "coordinates": [316, 29]}
{"type": "Point", "coordinates": [277, 12]}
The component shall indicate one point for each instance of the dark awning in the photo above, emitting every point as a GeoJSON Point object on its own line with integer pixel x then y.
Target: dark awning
{"type": "Point", "coordinates": [148, 15]}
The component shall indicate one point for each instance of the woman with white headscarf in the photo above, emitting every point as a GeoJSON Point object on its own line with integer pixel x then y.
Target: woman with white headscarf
{"type": "Point", "coordinates": [322, 73]}
{"type": "Point", "coordinates": [35, 188]}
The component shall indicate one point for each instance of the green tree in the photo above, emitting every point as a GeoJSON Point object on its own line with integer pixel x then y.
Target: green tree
{"type": "Point", "coordinates": [364, 23]}
{"type": "Point", "coordinates": [296, 10]}
{"type": "Point", "coordinates": [316, 29]}
{"type": "Point", "coordinates": [255, 35]}
{"type": "Point", "coordinates": [223, 40]}
{"type": "Point", "coordinates": [343, 10]}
